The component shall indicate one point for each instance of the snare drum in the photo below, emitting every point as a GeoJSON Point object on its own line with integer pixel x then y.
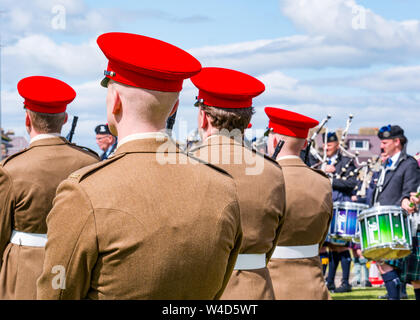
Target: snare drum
{"type": "Point", "coordinates": [385, 233]}
{"type": "Point", "coordinates": [344, 221]}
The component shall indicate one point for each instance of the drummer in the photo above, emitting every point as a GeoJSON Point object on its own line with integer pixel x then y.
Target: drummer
{"type": "Point", "coordinates": [399, 177]}
{"type": "Point", "coordinates": [359, 261]}
{"type": "Point", "coordinates": [342, 184]}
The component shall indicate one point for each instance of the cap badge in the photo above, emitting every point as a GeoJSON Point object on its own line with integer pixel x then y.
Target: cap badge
{"type": "Point", "coordinates": [109, 73]}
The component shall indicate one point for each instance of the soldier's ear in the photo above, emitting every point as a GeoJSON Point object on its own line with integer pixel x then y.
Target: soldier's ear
{"type": "Point", "coordinates": [66, 118]}
{"type": "Point", "coordinates": [204, 122]}
{"type": "Point", "coordinates": [27, 120]}
{"type": "Point", "coordinates": [275, 141]}
{"type": "Point", "coordinates": [116, 103]}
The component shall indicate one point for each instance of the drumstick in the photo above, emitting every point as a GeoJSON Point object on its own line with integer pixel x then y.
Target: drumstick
{"type": "Point", "coordinates": [417, 196]}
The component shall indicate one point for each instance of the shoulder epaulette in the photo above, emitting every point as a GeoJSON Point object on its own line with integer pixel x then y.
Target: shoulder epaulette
{"type": "Point", "coordinates": [189, 155]}
{"type": "Point", "coordinates": [4, 161]}
{"type": "Point", "coordinates": [80, 174]}
{"type": "Point", "coordinates": [266, 157]}
{"type": "Point", "coordinates": [82, 148]}
{"type": "Point", "coordinates": [322, 173]}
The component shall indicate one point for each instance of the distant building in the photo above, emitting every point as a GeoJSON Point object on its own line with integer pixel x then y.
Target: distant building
{"type": "Point", "coordinates": [366, 143]}
{"type": "Point", "coordinates": [10, 144]}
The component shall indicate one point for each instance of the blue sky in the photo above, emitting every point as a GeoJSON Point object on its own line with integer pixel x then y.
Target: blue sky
{"type": "Point", "coordinates": [308, 53]}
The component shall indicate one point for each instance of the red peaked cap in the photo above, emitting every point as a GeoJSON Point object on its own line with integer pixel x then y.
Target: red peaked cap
{"type": "Point", "coordinates": [147, 63]}
{"type": "Point", "coordinates": [45, 94]}
{"type": "Point", "coordinates": [226, 88]}
{"type": "Point", "coordinates": [289, 123]}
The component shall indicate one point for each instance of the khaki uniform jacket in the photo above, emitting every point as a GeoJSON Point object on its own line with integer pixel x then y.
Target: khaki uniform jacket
{"type": "Point", "coordinates": [261, 192]}
{"type": "Point", "coordinates": [28, 182]}
{"type": "Point", "coordinates": [148, 223]}
{"type": "Point", "coordinates": [308, 215]}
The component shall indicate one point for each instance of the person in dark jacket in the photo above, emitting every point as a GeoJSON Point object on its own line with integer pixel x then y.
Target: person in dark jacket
{"type": "Point", "coordinates": [105, 140]}
{"type": "Point", "coordinates": [343, 180]}
{"type": "Point", "coordinates": [398, 178]}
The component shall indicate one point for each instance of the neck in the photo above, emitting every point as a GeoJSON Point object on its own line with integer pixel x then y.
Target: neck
{"type": "Point", "coordinates": [285, 152]}
{"type": "Point", "coordinates": [33, 133]}
{"type": "Point", "coordinates": [144, 128]}
{"type": "Point", "coordinates": [395, 152]}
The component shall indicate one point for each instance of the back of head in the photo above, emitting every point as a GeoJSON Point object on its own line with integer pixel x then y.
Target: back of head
{"type": "Point", "coordinates": [144, 105]}
{"type": "Point", "coordinates": [47, 122]}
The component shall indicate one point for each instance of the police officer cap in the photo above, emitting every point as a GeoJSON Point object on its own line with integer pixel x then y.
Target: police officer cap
{"type": "Point", "coordinates": [390, 132]}
{"type": "Point", "coordinates": [102, 129]}
{"type": "Point", "coordinates": [331, 137]}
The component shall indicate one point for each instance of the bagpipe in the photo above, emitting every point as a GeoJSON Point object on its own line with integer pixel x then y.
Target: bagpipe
{"type": "Point", "coordinates": [310, 148]}
{"type": "Point", "coordinates": [364, 167]}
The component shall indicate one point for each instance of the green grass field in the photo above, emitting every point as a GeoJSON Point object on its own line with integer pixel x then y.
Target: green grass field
{"type": "Point", "coordinates": [368, 294]}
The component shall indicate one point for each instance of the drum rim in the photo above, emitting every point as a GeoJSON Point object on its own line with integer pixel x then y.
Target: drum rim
{"type": "Point", "coordinates": [383, 246]}
{"type": "Point", "coordinates": [349, 205]}
{"type": "Point", "coordinates": [374, 211]}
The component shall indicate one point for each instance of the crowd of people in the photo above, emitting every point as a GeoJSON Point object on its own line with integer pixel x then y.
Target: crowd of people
{"type": "Point", "coordinates": [394, 184]}
{"type": "Point", "coordinates": [149, 220]}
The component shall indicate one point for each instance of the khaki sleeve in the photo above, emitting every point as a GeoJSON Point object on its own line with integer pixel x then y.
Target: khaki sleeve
{"type": "Point", "coordinates": [328, 205]}
{"type": "Point", "coordinates": [71, 251]}
{"type": "Point", "coordinates": [277, 204]}
{"type": "Point", "coordinates": [233, 212]}
{"type": "Point", "coordinates": [6, 210]}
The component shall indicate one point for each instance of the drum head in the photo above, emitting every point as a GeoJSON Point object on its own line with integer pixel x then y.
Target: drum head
{"type": "Point", "coordinates": [385, 253]}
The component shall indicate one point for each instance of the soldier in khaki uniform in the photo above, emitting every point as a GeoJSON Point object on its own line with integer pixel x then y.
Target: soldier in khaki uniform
{"type": "Point", "coordinates": [28, 181]}
{"type": "Point", "coordinates": [150, 222]}
{"type": "Point", "coordinates": [295, 267]}
{"type": "Point", "coordinates": [225, 109]}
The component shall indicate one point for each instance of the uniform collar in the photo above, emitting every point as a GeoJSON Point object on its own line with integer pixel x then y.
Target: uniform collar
{"type": "Point", "coordinates": [141, 136]}
{"type": "Point", "coordinates": [42, 136]}
{"type": "Point", "coordinates": [291, 161]}
{"type": "Point", "coordinates": [150, 142]}
{"type": "Point", "coordinates": [291, 156]}
{"type": "Point", "coordinates": [221, 139]}
{"type": "Point", "coordinates": [49, 140]}
{"type": "Point", "coordinates": [395, 158]}
{"type": "Point", "coordinates": [335, 156]}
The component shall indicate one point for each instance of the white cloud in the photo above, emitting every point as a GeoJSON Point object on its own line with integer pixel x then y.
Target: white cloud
{"type": "Point", "coordinates": [24, 17]}
{"type": "Point", "coordinates": [404, 79]}
{"type": "Point", "coordinates": [38, 54]}
{"type": "Point", "coordinates": [338, 20]}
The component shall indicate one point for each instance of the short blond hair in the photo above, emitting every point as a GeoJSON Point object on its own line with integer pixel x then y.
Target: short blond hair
{"type": "Point", "coordinates": [47, 122]}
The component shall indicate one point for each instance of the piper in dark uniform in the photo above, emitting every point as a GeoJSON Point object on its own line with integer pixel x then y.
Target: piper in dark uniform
{"type": "Point", "coordinates": [105, 140]}
{"type": "Point", "coordinates": [339, 168]}
{"type": "Point", "coordinates": [398, 178]}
